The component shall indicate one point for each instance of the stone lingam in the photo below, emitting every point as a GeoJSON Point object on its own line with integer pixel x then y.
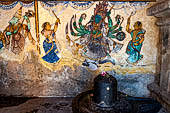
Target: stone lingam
{"type": "Point", "coordinates": [105, 90]}
{"type": "Point", "coordinates": [105, 98]}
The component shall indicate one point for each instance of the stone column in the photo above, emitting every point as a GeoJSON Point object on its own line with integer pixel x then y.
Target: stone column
{"type": "Point", "coordinates": [160, 89]}
{"type": "Point", "coordinates": [169, 83]}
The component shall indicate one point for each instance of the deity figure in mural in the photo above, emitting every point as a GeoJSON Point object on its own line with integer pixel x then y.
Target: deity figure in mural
{"type": "Point", "coordinates": [2, 40]}
{"type": "Point", "coordinates": [96, 36]}
{"type": "Point", "coordinates": [51, 45]}
{"type": "Point", "coordinates": [16, 32]}
{"type": "Point", "coordinates": [135, 45]}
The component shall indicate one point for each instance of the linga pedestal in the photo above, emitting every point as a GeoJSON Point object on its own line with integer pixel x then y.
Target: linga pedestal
{"type": "Point", "coordinates": [104, 98]}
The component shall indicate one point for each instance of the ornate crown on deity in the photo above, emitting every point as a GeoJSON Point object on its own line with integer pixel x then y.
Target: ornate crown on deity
{"type": "Point", "coordinates": [101, 8]}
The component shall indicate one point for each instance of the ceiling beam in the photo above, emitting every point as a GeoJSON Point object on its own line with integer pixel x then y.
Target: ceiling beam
{"type": "Point", "coordinates": [3, 1]}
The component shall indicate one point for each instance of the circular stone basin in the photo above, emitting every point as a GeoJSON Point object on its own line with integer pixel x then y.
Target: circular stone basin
{"type": "Point", "coordinates": [83, 103]}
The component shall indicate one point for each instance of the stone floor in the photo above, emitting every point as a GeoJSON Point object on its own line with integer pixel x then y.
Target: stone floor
{"type": "Point", "coordinates": [163, 111]}
{"type": "Point", "coordinates": [41, 105]}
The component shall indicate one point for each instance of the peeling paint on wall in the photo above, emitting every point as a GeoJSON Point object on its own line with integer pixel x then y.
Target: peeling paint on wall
{"type": "Point", "coordinates": [33, 71]}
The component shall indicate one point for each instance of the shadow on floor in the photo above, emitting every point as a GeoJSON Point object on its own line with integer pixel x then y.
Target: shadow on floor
{"type": "Point", "coordinates": [35, 105]}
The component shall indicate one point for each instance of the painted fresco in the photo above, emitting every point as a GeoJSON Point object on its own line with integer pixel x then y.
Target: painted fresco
{"type": "Point", "coordinates": [50, 43]}
{"type": "Point", "coordinates": [95, 38]}
{"type": "Point", "coordinates": [135, 45]}
{"type": "Point", "coordinates": [16, 32]}
{"type": "Point", "coordinates": [96, 35]}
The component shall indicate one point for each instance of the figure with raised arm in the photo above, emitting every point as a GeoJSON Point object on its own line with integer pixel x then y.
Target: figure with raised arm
{"type": "Point", "coordinates": [50, 44]}
{"type": "Point", "coordinates": [135, 44]}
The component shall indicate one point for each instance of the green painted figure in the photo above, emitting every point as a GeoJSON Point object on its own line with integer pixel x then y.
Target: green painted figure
{"type": "Point", "coordinates": [135, 45]}
{"type": "Point", "coordinates": [16, 32]}
{"type": "Point", "coordinates": [96, 35]}
{"type": "Point", "coordinates": [94, 40]}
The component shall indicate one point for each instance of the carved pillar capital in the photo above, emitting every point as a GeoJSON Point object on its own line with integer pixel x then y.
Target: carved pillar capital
{"type": "Point", "coordinates": [160, 9]}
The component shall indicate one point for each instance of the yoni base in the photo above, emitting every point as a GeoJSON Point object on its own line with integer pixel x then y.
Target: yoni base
{"type": "Point", "coordinates": [83, 103]}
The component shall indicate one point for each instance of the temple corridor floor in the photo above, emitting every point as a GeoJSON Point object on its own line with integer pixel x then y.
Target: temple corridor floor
{"type": "Point", "coordinates": [38, 105]}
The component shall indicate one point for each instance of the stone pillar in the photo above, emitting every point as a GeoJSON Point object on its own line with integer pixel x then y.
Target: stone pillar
{"type": "Point", "coordinates": [160, 89]}
{"type": "Point", "coordinates": [169, 83]}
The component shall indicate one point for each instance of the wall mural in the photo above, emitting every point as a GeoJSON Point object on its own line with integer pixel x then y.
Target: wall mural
{"type": "Point", "coordinates": [16, 32]}
{"type": "Point", "coordinates": [13, 37]}
{"type": "Point", "coordinates": [135, 45]}
{"type": "Point", "coordinates": [95, 39]}
{"type": "Point", "coordinates": [50, 44]}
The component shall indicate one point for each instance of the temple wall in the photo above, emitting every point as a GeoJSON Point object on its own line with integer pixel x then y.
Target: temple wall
{"type": "Point", "coordinates": [27, 73]}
